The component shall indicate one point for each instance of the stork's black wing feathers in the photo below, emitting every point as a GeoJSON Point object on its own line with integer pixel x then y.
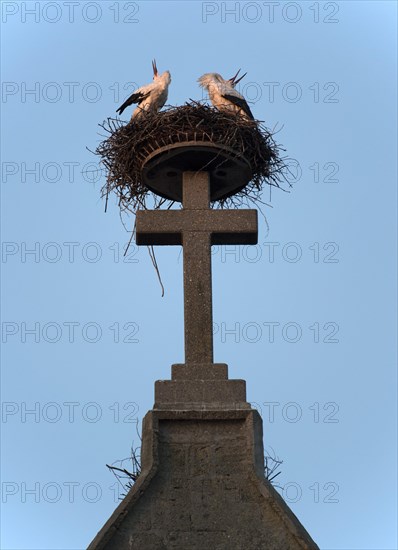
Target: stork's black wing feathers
{"type": "Point", "coordinates": [240, 103]}
{"type": "Point", "coordinates": [134, 98]}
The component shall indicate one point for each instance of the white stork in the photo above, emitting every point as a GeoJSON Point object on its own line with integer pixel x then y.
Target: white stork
{"type": "Point", "coordinates": [151, 97]}
{"type": "Point", "coordinates": [223, 95]}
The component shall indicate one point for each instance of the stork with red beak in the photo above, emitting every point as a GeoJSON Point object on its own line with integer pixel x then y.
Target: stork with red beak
{"type": "Point", "coordinates": [151, 97]}
{"type": "Point", "coordinates": [223, 95]}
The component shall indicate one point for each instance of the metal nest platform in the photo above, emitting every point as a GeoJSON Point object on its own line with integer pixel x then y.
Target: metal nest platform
{"type": "Point", "coordinates": [162, 171]}
{"type": "Point", "coordinates": [145, 159]}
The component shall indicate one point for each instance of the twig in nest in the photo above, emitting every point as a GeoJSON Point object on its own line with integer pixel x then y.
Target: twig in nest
{"type": "Point", "coordinates": [127, 146]}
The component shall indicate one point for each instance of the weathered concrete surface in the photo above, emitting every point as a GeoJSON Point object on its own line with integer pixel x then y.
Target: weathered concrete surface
{"type": "Point", "coordinates": [202, 487]}
{"type": "Point", "coordinates": [200, 386]}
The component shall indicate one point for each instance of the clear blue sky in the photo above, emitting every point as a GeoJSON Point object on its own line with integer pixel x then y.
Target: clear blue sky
{"type": "Point", "coordinates": [329, 290]}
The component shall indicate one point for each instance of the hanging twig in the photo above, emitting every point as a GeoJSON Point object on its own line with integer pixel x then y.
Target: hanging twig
{"type": "Point", "coordinates": [155, 265]}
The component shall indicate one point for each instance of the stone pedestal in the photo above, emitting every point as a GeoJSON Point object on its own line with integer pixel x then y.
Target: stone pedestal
{"type": "Point", "coordinates": [202, 483]}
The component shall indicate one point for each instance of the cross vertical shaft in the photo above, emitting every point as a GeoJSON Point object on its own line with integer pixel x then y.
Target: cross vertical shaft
{"type": "Point", "coordinates": [197, 227]}
{"type": "Point", "coordinates": [198, 308]}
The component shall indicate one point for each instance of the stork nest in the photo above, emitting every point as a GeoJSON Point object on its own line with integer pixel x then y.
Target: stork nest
{"type": "Point", "coordinates": [127, 146]}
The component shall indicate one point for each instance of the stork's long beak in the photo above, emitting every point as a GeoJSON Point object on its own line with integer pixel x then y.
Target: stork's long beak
{"type": "Point", "coordinates": [239, 79]}
{"type": "Point", "coordinates": [233, 80]}
{"type": "Point", "coordinates": [155, 69]}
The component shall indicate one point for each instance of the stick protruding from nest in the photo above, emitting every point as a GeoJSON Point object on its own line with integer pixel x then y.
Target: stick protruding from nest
{"type": "Point", "coordinates": [127, 146]}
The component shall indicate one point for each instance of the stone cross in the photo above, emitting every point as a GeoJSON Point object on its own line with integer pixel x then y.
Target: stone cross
{"type": "Point", "coordinates": [196, 227]}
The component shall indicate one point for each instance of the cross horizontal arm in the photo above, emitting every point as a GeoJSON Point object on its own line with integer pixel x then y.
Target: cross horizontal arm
{"type": "Point", "coordinates": [224, 226]}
